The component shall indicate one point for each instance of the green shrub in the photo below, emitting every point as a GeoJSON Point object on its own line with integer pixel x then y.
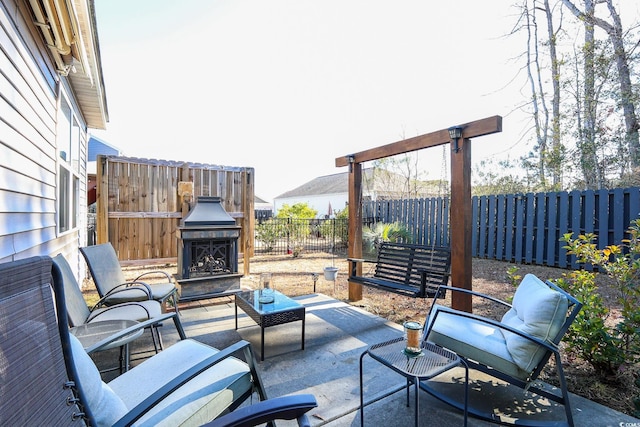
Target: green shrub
{"type": "Point", "coordinates": [268, 233]}
{"type": "Point", "coordinates": [606, 347]}
{"type": "Point", "coordinates": [589, 337]}
{"type": "Point", "coordinates": [383, 232]}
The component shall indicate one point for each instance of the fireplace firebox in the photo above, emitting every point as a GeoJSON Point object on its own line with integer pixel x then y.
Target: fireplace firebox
{"type": "Point", "coordinates": [207, 252]}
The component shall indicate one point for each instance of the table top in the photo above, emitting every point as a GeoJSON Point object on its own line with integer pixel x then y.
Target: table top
{"type": "Point", "coordinates": [431, 362]}
{"type": "Point", "coordinates": [280, 302]}
{"type": "Point", "coordinates": [94, 332]}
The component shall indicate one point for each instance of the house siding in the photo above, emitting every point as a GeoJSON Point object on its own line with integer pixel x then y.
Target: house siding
{"type": "Point", "coordinates": [28, 162]}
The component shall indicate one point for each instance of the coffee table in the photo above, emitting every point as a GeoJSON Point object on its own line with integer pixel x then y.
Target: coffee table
{"type": "Point", "coordinates": [431, 362]}
{"type": "Point", "coordinates": [282, 310]}
{"type": "Point", "coordinates": [94, 332]}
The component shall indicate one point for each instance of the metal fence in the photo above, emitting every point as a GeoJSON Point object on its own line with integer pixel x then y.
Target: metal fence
{"type": "Point", "coordinates": [295, 236]}
{"type": "Point", "coordinates": [91, 229]}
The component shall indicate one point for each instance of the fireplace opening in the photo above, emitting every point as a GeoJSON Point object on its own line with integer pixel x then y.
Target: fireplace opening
{"type": "Point", "coordinates": [211, 257]}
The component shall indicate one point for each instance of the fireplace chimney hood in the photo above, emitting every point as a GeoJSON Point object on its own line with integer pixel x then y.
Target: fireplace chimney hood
{"type": "Point", "coordinates": [208, 211]}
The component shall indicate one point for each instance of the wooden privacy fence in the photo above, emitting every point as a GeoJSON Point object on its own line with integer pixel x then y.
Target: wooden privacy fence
{"type": "Point", "coordinates": [426, 219]}
{"type": "Point", "coordinates": [140, 203]}
{"type": "Point", "coordinates": [520, 228]}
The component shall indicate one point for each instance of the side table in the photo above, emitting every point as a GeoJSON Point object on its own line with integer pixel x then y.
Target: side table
{"type": "Point", "coordinates": [281, 310]}
{"type": "Point", "coordinates": [431, 362]}
{"type": "Point", "coordinates": [94, 332]}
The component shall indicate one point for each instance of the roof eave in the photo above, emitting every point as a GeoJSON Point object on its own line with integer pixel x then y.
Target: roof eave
{"type": "Point", "coordinates": [89, 85]}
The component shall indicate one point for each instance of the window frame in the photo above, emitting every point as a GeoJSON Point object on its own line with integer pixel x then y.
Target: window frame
{"type": "Point", "coordinates": [68, 148]}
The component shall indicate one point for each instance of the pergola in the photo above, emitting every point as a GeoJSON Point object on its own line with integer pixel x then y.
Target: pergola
{"type": "Point", "coordinates": [460, 212]}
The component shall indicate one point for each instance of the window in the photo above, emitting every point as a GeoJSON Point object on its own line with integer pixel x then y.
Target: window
{"type": "Point", "coordinates": [64, 199]}
{"type": "Point", "coordinates": [69, 136]}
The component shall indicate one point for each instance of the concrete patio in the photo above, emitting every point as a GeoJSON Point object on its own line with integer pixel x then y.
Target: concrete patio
{"type": "Point", "coordinates": [336, 335]}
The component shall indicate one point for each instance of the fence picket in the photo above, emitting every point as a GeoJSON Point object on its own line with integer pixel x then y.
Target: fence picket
{"type": "Point", "coordinates": [551, 228]}
{"type": "Point", "coordinates": [603, 218]}
{"type": "Point", "coordinates": [482, 229]}
{"type": "Point", "coordinates": [491, 227]}
{"type": "Point", "coordinates": [500, 227]}
{"type": "Point", "coordinates": [563, 226]}
{"type": "Point", "coordinates": [633, 211]}
{"type": "Point", "coordinates": [475, 225]}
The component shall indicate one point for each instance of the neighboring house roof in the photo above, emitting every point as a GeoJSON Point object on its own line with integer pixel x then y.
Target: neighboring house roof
{"type": "Point", "coordinates": [329, 184]}
{"type": "Point", "coordinates": [99, 146]}
{"type": "Point", "coordinates": [375, 181]}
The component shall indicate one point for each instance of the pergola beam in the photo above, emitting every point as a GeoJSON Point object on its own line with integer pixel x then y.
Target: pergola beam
{"type": "Point", "coordinates": [470, 130]}
{"type": "Point", "coordinates": [460, 218]}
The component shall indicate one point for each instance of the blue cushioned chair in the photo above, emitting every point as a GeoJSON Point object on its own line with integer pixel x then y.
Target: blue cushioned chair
{"type": "Point", "coordinates": [514, 349]}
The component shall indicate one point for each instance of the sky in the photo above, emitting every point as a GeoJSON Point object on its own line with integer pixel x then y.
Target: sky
{"type": "Point", "coordinates": [287, 86]}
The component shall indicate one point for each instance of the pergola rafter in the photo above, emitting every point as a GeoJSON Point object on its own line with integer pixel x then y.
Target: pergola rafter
{"type": "Point", "coordinates": [460, 216]}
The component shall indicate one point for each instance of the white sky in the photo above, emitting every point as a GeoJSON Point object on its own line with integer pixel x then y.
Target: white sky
{"type": "Point", "coordinates": [286, 86]}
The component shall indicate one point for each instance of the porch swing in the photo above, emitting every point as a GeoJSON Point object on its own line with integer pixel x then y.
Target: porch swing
{"type": "Point", "coordinates": [459, 140]}
{"type": "Point", "coordinates": [412, 270]}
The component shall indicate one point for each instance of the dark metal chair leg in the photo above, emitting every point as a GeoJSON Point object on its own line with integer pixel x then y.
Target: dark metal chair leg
{"type": "Point", "coordinates": [361, 391]}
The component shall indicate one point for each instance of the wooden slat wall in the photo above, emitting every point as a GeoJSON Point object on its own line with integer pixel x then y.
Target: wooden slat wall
{"type": "Point", "coordinates": [521, 228]}
{"type": "Point", "coordinates": [143, 209]}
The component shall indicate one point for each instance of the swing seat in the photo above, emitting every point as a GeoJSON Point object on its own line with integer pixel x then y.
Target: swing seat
{"type": "Point", "coordinates": [412, 270]}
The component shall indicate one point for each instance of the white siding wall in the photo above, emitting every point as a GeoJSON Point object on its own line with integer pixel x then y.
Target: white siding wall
{"type": "Point", "coordinates": [28, 160]}
{"type": "Point", "coordinates": [319, 202]}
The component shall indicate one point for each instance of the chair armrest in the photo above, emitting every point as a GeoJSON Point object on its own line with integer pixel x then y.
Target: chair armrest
{"type": "Point", "coordinates": [470, 292]}
{"type": "Point", "coordinates": [279, 408]}
{"type": "Point", "coordinates": [353, 263]}
{"type": "Point", "coordinates": [101, 302]}
{"type": "Point", "coordinates": [112, 307]}
{"type": "Point", "coordinates": [128, 286]}
{"type": "Point", "coordinates": [186, 376]}
{"type": "Point", "coordinates": [116, 336]}
{"type": "Point", "coordinates": [149, 273]}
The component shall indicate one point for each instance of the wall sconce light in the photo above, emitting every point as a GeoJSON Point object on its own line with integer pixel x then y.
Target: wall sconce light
{"type": "Point", "coordinates": [351, 159]}
{"type": "Point", "coordinates": [455, 133]}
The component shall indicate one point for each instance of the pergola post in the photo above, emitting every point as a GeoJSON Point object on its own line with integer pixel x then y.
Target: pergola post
{"type": "Point", "coordinates": [460, 225]}
{"type": "Point", "coordinates": [460, 217]}
{"type": "Point", "coordinates": [355, 227]}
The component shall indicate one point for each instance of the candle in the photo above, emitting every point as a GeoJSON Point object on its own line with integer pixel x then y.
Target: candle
{"type": "Point", "coordinates": [413, 331]}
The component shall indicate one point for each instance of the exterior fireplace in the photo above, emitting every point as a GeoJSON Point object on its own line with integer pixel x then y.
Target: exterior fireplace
{"type": "Point", "coordinates": [207, 252]}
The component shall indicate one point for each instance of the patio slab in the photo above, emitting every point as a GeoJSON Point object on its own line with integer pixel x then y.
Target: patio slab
{"type": "Point", "coordinates": [336, 335]}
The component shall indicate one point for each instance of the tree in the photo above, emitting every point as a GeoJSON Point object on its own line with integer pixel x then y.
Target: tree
{"type": "Point", "coordinates": [546, 123]}
{"type": "Point", "coordinates": [626, 94]}
{"type": "Point", "coordinates": [398, 174]}
{"type": "Point", "coordinates": [591, 98]}
{"type": "Point", "coordinates": [487, 181]}
{"type": "Point", "coordinates": [595, 154]}
{"type": "Point", "coordinates": [587, 127]}
{"type": "Point", "coordinates": [554, 157]}
{"type": "Point", "coordinates": [297, 211]}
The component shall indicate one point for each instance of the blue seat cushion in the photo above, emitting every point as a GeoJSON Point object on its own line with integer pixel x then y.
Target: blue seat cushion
{"type": "Point", "coordinates": [537, 310]}
{"type": "Point", "coordinates": [200, 400]}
